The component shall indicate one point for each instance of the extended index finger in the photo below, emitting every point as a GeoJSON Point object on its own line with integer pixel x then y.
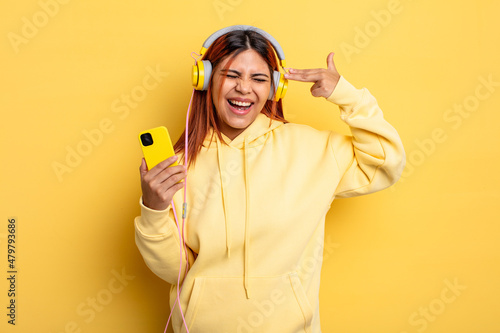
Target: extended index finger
{"type": "Point", "coordinates": [304, 75]}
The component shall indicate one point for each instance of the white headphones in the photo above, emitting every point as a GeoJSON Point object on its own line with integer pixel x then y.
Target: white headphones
{"type": "Point", "coordinates": [203, 69]}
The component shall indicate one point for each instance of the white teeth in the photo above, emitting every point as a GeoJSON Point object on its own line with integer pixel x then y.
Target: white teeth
{"type": "Point", "coordinates": [240, 103]}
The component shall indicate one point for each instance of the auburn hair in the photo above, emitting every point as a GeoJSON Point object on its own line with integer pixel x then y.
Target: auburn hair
{"type": "Point", "coordinates": [203, 115]}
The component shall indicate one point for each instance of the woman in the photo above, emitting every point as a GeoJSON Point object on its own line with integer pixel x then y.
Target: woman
{"type": "Point", "coordinates": [259, 189]}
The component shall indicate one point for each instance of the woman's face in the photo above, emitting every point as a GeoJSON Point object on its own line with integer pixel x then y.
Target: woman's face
{"type": "Point", "coordinates": [244, 91]}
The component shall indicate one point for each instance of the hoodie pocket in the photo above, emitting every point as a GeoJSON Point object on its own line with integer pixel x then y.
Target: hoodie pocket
{"type": "Point", "coordinates": [192, 306]}
{"type": "Point", "coordinates": [276, 304]}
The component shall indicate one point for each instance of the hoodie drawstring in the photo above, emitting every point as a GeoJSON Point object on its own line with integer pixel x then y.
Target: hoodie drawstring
{"type": "Point", "coordinates": [255, 135]}
{"type": "Point", "coordinates": [228, 227]}
{"type": "Point", "coordinates": [247, 213]}
{"type": "Point", "coordinates": [247, 220]}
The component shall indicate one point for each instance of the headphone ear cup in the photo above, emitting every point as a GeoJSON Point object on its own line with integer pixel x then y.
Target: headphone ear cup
{"type": "Point", "coordinates": [283, 87]}
{"type": "Point", "coordinates": [274, 87]}
{"type": "Point", "coordinates": [280, 85]}
{"type": "Point", "coordinates": [201, 74]}
{"type": "Point", "coordinates": [208, 72]}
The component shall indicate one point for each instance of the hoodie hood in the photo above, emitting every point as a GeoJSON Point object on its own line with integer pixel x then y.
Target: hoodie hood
{"type": "Point", "coordinates": [254, 135]}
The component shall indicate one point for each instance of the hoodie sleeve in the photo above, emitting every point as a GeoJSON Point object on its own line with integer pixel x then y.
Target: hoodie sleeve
{"type": "Point", "coordinates": [157, 238]}
{"type": "Point", "coordinates": [372, 158]}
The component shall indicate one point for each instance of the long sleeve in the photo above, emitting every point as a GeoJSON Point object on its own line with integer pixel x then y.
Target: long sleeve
{"type": "Point", "coordinates": [157, 239]}
{"type": "Point", "coordinates": [373, 158]}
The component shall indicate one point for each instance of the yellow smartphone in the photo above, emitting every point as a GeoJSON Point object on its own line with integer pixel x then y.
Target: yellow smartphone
{"type": "Point", "coordinates": [156, 146]}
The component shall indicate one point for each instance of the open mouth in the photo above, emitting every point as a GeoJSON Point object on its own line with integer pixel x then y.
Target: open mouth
{"type": "Point", "coordinates": [239, 106]}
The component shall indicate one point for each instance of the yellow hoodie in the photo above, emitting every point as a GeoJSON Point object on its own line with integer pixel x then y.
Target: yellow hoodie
{"type": "Point", "coordinates": [256, 216]}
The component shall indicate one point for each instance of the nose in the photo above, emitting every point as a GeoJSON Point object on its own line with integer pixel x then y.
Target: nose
{"type": "Point", "coordinates": [243, 86]}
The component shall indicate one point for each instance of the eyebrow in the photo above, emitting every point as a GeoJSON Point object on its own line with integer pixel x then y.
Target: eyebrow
{"type": "Point", "coordinates": [239, 73]}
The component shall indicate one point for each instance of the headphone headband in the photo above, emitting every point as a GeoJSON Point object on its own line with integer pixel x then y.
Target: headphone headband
{"type": "Point", "coordinates": [217, 34]}
{"type": "Point", "coordinates": [203, 69]}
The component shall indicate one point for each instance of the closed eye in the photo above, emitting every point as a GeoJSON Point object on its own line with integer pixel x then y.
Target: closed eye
{"type": "Point", "coordinates": [233, 74]}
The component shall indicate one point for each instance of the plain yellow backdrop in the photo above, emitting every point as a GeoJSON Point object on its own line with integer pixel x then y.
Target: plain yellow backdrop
{"type": "Point", "coordinates": [80, 80]}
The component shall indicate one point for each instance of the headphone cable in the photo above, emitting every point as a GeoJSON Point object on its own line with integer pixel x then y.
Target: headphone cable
{"type": "Point", "coordinates": [182, 242]}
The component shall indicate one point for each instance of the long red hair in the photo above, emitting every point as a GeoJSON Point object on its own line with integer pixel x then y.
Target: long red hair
{"type": "Point", "coordinates": [203, 115]}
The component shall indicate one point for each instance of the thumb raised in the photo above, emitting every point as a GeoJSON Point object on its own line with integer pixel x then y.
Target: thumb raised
{"type": "Point", "coordinates": [329, 61]}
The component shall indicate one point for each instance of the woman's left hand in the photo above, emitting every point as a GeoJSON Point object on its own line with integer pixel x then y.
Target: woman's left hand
{"type": "Point", "coordinates": [325, 79]}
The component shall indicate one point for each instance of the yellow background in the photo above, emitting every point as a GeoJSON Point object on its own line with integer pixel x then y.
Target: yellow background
{"type": "Point", "coordinates": [390, 257]}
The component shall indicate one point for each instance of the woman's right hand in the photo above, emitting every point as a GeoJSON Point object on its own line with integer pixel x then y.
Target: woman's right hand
{"type": "Point", "coordinates": [161, 183]}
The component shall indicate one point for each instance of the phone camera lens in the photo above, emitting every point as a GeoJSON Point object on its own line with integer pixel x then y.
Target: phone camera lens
{"type": "Point", "coordinates": [146, 139]}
